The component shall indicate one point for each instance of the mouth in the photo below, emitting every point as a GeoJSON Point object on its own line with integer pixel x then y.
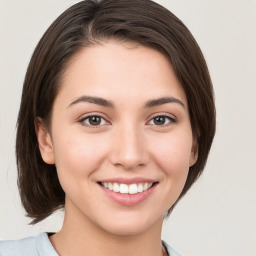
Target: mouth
{"type": "Point", "coordinates": [131, 189]}
{"type": "Point", "coordinates": [128, 191]}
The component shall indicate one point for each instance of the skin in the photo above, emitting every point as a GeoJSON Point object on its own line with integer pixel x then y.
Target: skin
{"type": "Point", "coordinates": [127, 143]}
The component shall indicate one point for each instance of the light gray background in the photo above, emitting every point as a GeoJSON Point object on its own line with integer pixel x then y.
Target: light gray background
{"type": "Point", "coordinates": [218, 215]}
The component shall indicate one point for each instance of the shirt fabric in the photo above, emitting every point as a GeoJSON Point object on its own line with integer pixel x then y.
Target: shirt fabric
{"type": "Point", "coordinates": [41, 246]}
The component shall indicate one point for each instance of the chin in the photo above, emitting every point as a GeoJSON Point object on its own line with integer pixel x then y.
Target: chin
{"type": "Point", "coordinates": [132, 225]}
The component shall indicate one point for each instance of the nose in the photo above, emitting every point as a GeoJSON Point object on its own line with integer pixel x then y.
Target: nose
{"type": "Point", "coordinates": [130, 148]}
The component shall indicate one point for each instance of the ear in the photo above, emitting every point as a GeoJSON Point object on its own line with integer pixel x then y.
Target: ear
{"type": "Point", "coordinates": [194, 153]}
{"type": "Point", "coordinates": [44, 141]}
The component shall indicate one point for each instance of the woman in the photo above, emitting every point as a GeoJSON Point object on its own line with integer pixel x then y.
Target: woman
{"type": "Point", "coordinates": [116, 122]}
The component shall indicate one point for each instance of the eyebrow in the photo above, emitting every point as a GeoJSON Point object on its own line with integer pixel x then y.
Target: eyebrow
{"type": "Point", "coordinates": [163, 100]}
{"type": "Point", "coordinates": [94, 100]}
{"type": "Point", "coordinates": [108, 103]}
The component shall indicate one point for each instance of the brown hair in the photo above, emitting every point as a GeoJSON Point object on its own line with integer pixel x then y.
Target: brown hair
{"type": "Point", "coordinates": [91, 22]}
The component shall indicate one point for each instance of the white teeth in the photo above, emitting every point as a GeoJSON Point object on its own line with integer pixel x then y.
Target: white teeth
{"type": "Point", "coordinates": [133, 189]}
{"type": "Point", "coordinates": [123, 189]}
{"type": "Point", "coordinates": [127, 189]}
{"type": "Point", "coordinates": [150, 185]}
{"type": "Point", "coordinates": [145, 187]}
{"type": "Point", "coordinates": [116, 187]}
{"type": "Point", "coordinates": [110, 186]}
{"type": "Point", "coordinates": [140, 188]}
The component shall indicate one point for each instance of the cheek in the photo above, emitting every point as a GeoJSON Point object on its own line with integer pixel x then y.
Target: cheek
{"type": "Point", "coordinates": [77, 157]}
{"type": "Point", "coordinates": [173, 153]}
{"type": "Point", "coordinates": [172, 156]}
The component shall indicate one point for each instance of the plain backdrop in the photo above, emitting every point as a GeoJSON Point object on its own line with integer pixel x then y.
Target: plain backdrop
{"type": "Point", "coordinates": [218, 215]}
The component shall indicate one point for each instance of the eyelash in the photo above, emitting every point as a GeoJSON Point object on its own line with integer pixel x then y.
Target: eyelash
{"type": "Point", "coordinates": [171, 120]}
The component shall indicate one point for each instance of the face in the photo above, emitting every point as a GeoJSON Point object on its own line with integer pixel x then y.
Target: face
{"type": "Point", "coordinates": [120, 138]}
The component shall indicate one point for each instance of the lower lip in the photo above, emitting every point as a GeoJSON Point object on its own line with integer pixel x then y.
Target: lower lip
{"type": "Point", "coordinates": [128, 199]}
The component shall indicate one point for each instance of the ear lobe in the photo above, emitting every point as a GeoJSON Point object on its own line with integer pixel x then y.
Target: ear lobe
{"type": "Point", "coordinates": [44, 141]}
{"type": "Point", "coordinates": [194, 153]}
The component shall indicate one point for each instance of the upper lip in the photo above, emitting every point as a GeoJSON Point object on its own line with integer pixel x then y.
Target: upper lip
{"type": "Point", "coordinates": [123, 180]}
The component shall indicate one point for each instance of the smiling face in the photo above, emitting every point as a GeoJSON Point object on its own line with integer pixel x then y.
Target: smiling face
{"type": "Point", "coordinates": [120, 138]}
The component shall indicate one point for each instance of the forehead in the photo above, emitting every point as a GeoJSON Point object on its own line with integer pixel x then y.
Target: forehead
{"type": "Point", "coordinates": [120, 72]}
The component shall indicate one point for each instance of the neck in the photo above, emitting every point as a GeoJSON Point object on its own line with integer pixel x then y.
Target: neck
{"type": "Point", "coordinates": [79, 236]}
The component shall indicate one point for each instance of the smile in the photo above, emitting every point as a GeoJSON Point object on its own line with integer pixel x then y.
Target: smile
{"type": "Point", "coordinates": [128, 191]}
{"type": "Point", "coordinates": [126, 188]}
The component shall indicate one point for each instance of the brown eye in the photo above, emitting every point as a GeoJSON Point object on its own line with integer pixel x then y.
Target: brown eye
{"type": "Point", "coordinates": [93, 121]}
{"type": "Point", "coordinates": [159, 120]}
{"type": "Point", "coordinates": [162, 120]}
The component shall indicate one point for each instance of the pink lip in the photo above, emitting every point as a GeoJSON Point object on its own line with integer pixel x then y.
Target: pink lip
{"type": "Point", "coordinates": [128, 199]}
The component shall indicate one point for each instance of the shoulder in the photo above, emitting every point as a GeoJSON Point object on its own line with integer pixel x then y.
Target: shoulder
{"type": "Point", "coordinates": [25, 246]}
{"type": "Point", "coordinates": [30, 246]}
{"type": "Point", "coordinates": [170, 250]}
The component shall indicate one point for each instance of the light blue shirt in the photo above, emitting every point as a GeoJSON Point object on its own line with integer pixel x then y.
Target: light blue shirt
{"type": "Point", "coordinates": [41, 246]}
